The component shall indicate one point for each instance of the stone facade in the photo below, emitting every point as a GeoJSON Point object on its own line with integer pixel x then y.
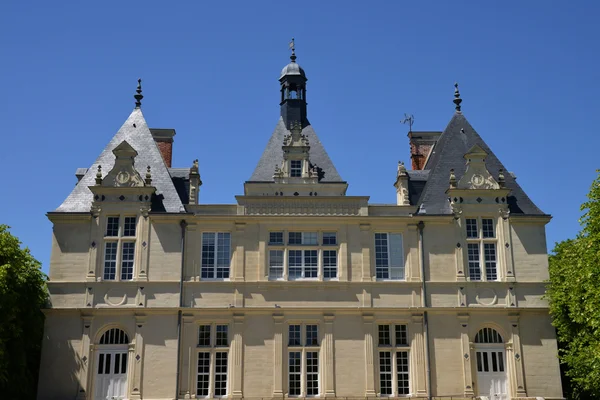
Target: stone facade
{"type": "Point", "coordinates": [176, 274]}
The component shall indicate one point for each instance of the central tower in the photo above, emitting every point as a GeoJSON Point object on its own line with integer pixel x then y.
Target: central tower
{"type": "Point", "coordinates": [293, 92]}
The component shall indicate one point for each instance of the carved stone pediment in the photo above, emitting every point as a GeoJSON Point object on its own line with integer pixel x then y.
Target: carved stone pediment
{"type": "Point", "coordinates": [123, 173]}
{"type": "Point", "coordinates": [477, 175]}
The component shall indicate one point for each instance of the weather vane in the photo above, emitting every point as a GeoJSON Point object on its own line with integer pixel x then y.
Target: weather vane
{"type": "Point", "coordinates": [408, 119]}
{"type": "Point", "coordinates": [292, 46]}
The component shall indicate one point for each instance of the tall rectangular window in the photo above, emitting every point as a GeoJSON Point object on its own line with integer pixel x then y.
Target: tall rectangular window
{"type": "Point", "coordinates": [329, 264]}
{"type": "Point", "coordinates": [213, 343]}
{"type": "Point", "coordinates": [276, 264]}
{"type": "Point", "coordinates": [216, 258]}
{"type": "Point", "coordinates": [389, 256]}
{"type": "Point", "coordinates": [303, 360]}
{"type": "Point", "coordinates": [303, 264]}
{"type": "Point", "coordinates": [296, 168]}
{"type": "Point", "coordinates": [394, 379]}
{"type": "Point", "coordinates": [119, 248]}
{"type": "Point", "coordinates": [481, 249]}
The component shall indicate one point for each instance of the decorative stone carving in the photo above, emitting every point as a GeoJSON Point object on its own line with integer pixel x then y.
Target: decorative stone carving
{"type": "Point", "coordinates": [401, 185]}
{"type": "Point", "coordinates": [477, 175]}
{"type": "Point", "coordinates": [123, 174]}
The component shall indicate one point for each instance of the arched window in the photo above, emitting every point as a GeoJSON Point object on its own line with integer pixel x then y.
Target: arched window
{"type": "Point", "coordinates": [488, 335]}
{"type": "Point", "coordinates": [114, 336]}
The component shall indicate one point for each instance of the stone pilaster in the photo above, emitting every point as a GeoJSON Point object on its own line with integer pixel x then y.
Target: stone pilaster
{"type": "Point", "coordinates": [87, 360]}
{"type": "Point", "coordinates": [369, 356]}
{"type": "Point", "coordinates": [188, 340]}
{"type": "Point", "coordinates": [460, 248]}
{"type": "Point", "coordinates": [417, 347]}
{"type": "Point", "coordinates": [278, 356]}
{"type": "Point", "coordinates": [143, 238]}
{"type": "Point", "coordinates": [505, 242]}
{"type": "Point", "coordinates": [344, 264]}
{"type": "Point", "coordinates": [413, 268]}
{"type": "Point", "coordinates": [328, 350]}
{"type": "Point", "coordinates": [238, 271]}
{"type": "Point", "coordinates": [95, 244]}
{"type": "Point", "coordinates": [237, 356]}
{"type": "Point", "coordinates": [463, 319]}
{"type": "Point", "coordinates": [517, 357]}
{"type": "Point", "coordinates": [365, 241]}
{"type": "Point", "coordinates": [136, 360]}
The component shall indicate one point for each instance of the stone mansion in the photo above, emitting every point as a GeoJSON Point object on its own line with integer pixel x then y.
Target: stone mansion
{"type": "Point", "coordinates": [295, 289]}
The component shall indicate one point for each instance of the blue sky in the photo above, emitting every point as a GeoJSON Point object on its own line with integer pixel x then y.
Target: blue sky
{"type": "Point", "coordinates": [528, 74]}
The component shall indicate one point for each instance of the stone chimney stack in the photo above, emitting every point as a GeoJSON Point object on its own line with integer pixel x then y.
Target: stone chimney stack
{"type": "Point", "coordinates": [421, 146]}
{"type": "Point", "coordinates": [164, 141]}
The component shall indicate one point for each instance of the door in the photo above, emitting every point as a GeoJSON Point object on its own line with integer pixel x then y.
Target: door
{"type": "Point", "coordinates": [111, 375]}
{"type": "Point", "coordinates": [492, 379]}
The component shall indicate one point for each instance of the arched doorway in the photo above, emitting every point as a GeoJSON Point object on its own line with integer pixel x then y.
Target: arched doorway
{"type": "Point", "coordinates": [111, 365]}
{"type": "Point", "coordinates": [490, 355]}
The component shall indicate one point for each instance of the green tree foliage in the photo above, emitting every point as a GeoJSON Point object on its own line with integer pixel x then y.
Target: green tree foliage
{"type": "Point", "coordinates": [574, 294]}
{"type": "Point", "coordinates": [22, 296]}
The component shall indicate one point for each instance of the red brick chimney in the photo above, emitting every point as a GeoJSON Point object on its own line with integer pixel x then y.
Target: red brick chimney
{"type": "Point", "coordinates": [421, 145]}
{"type": "Point", "coordinates": [164, 141]}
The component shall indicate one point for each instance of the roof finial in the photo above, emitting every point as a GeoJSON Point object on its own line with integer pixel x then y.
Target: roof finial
{"type": "Point", "coordinates": [138, 95]}
{"type": "Point", "coordinates": [457, 100]}
{"type": "Point", "coordinates": [293, 48]}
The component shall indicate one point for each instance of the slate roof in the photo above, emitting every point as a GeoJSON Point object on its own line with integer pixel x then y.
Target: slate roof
{"type": "Point", "coordinates": [140, 138]}
{"type": "Point", "coordinates": [273, 155]}
{"type": "Point", "coordinates": [448, 153]}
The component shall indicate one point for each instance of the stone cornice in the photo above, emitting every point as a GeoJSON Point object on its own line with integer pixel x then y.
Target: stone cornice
{"type": "Point", "coordinates": [305, 206]}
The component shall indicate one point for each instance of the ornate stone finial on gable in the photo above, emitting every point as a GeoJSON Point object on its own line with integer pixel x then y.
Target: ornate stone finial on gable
{"type": "Point", "coordinates": [501, 180]}
{"type": "Point", "coordinates": [194, 169]}
{"type": "Point", "coordinates": [123, 174]}
{"type": "Point", "coordinates": [278, 172]}
{"type": "Point", "coordinates": [138, 96]}
{"type": "Point", "coordinates": [99, 176]}
{"type": "Point", "coordinates": [457, 100]}
{"type": "Point", "coordinates": [148, 176]}
{"type": "Point", "coordinates": [401, 185]}
{"type": "Point", "coordinates": [452, 179]}
{"type": "Point", "coordinates": [477, 175]}
{"type": "Point", "coordinates": [195, 182]}
{"type": "Point", "coordinates": [314, 172]}
{"type": "Point", "coordinates": [401, 169]}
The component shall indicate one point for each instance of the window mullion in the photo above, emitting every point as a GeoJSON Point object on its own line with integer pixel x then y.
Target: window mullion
{"type": "Point", "coordinates": [389, 256]}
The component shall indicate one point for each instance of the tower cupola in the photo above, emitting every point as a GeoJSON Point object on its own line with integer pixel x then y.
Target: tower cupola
{"type": "Point", "coordinates": [293, 91]}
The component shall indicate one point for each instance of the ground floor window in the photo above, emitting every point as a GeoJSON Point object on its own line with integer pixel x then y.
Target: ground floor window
{"type": "Point", "coordinates": [212, 374]}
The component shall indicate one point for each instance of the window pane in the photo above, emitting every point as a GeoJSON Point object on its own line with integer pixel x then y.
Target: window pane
{"type": "Point", "coordinates": [479, 367]}
{"type": "Point", "coordinates": [112, 226]}
{"type": "Point", "coordinates": [110, 261]}
{"type": "Point", "coordinates": [312, 373]}
{"type": "Point", "coordinates": [295, 371]}
{"type": "Point", "coordinates": [108, 363]}
{"type": "Point", "coordinates": [295, 264]}
{"type": "Point", "coordinates": [473, 257]}
{"type": "Point", "coordinates": [384, 335]}
{"type": "Point", "coordinates": [489, 252]}
{"type": "Point", "coordinates": [295, 237]}
{"type": "Point", "coordinates": [401, 337]}
{"type": "Point", "coordinates": [203, 374]}
{"type": "Point", "coordinates": [204, 335]}
{"type": "Point", "coordinates": [127, 256]}
{"type": "Point", "coordinates": [402, 372]}
{"type": "Point", "coordinates": [208, 255]}
{"type": "Point", "coordinates": [485, 362]}
{"type": "Point", "coordinates": [123, 363]}
{"type": "Point", "coordinates": [311, 259]}
{"type": "Point", "coordinates": [117, 366]}
{"type": "Point", "coordinates": [275, 237]}
{"type": "Point", "coordinates": [296, 168]}
{"type": "Point", "coordinates": [396, 256]}
{"type": "Point", "coordinates": [294, 336]}
{"type": "Point", "coordinates": [329, 238]}
{"type": "Point", "coordinates": [500, 361]}
{"type": "Point", "coordinates": [223, 258]}
{"type": "Point", "coordinates": [221, 373]}
{"type": "Point", "coordinates": [309, 238]}
{"type": "Point", "coordinates": [275, 264]}
{"type": "Point", "coordinates": [129, 227]}
{"type": "Point", "coordinates": [101, 364]}
{"type": "Point", "coordinates": [329, 264]}
{"type": "Point", "coordinates": [385, 373]}
{"type": "Point", "coordinates": [487, 226]}
{"type": "Point", "coordinates": [312, 335]}
{"type": "Point", "coordinates": [381, 256]}
{"type": "Point", "coordinates": [472, 228]}
{"type": "Point", "coordinates": [221, 338]}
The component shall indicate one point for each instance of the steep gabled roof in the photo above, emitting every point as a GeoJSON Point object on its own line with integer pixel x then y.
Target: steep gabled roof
{"type": "Point", "coordinates": [456, 140]}
{"type": "Point", "coordinates": [136, 132]}
{"type": "Point", "coordinates": [273, 155]}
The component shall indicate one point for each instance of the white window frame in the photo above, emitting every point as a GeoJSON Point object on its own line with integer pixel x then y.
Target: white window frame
{"type": "Point", "coordinates": [303, 349]}
{"type": "Point", "coordinates": [480, 241]}
{"type": "Point", "coordinates": [212, 350]}
{"type": "Point", "coordinates": [292, 169]}
{"type": "Point", "coordinates": [393, 349]}
{"type": "Point", "coordinates": [286, 247]}
{"type": "Point", "coordinates": [390, 268]}
{"type": "Point", "coordinates": [214, 268]}
{"type": "Point", "coordinates": [120, 240]}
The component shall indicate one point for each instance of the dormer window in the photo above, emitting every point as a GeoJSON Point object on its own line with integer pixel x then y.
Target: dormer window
{"type": "Point", "coordinates": [296, 168]}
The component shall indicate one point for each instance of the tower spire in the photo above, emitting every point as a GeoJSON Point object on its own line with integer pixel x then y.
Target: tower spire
{"type": "Point", "coordinates": [457, 100]}
{"type": "Point", "coordinates": [138, 95]}
{"type": "Point", "coordinates": [293, 48]}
